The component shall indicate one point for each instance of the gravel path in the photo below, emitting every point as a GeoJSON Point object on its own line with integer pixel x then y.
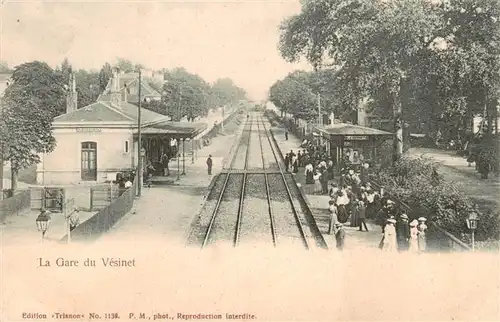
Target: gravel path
{"type": "Point", "coordinates": [224, 225]}
{"type": "Point", "coordinates": [255, 222]}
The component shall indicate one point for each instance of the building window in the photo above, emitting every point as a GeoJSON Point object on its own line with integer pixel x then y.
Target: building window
{"type": "Point", "coordinates": [126, 146]}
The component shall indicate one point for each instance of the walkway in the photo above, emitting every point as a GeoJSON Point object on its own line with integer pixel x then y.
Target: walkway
{"type": "Point", "coordinates": [455, 168]}
{"type": "Point", "coordinates": [355, 240]}
{"type": "Point", "coordinates": [166, 211]}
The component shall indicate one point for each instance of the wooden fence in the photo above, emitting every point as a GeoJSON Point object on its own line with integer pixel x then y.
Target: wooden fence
{"type": "Point", "coordinates": [106, 217]}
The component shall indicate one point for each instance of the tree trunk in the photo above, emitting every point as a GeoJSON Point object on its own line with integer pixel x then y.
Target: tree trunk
{"type": "Point", "coordinates": [1, 172]}
{"type": "Point", "coordinates": [398, 125]}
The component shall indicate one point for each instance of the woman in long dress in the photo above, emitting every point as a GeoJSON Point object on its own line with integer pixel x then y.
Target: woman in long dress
{"type": "Point", "coordinates": [354, 213]}
{"type": "Point", "coordinates": [422, 240]}
{"type": "Point", "coordinates": [317, 182]}
{"type": "Point", "coordinates": [309, 174]}
{"type": "Point", "coordinates": [342, 201]}
{"type": "Point", "coordinates": [413, 245]}
{"type": "Point", "coordinates": [389, 239]}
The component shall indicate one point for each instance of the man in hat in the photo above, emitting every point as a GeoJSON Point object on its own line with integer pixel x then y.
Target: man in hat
{"type": "Point", "coordinates": [403, 232]}
{"type": "Point", "coordinates": [340, 236]}
{"type": "Point", "coordinates": [209, 164]}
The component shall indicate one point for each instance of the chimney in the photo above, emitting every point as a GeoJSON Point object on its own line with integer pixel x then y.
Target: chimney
{"type": "Point", "coordinates": [116, 96]}
{"type": "Point", "coordinates": [72, 96]}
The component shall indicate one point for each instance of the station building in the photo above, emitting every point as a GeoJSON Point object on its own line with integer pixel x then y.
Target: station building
{"type": "Point", "coordinates": [99, 140]}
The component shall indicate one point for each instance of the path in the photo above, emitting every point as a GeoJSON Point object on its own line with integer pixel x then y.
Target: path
{"type": "Point", "coordinates": [454, 168]}
{"type": "Point", "coordinates": [166, 211]}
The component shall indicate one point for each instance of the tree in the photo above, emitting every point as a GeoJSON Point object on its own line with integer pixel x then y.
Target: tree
{"type": "Point", "coordinates": [34, 98]}
{"type": "Point", "coordinates": [4, 67]}
{"type": "Point", "coordinates": [125, 65]}
{"type": "Point", "coordinates": [87, 86]}
{"type": "Point", "coordinates": [105, 74]}
{"type": "Point", "coordinates": [424, 62]}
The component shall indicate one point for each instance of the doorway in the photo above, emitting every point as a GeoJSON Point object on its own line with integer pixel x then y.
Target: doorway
{"type": "Point", "coordinates": [89, 161]}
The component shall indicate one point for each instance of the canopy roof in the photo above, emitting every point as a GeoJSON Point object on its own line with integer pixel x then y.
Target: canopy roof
{"type": "Point", "coordinates": [181, 129]}
{"type": "Point", "coordinates": [343, 129]}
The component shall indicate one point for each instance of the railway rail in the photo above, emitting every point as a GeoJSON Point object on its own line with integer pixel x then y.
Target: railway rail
{"type": "Point", "coordinates": [255, 200]}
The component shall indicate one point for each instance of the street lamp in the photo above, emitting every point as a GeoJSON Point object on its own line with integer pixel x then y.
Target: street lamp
{"type": "Point", "coordinates": [472, 221]}
{"type": "Point", "coordinates": [43, 222]}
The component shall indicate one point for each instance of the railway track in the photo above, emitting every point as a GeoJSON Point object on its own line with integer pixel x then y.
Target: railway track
{"type": "Point", "coordinates": [255, 200]}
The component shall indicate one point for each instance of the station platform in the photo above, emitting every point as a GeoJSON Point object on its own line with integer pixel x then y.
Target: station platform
{"type": "Point", "coordinates": [355, 240]}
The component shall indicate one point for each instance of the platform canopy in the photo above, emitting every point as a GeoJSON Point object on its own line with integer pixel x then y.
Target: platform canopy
{"type": "Point", "coordinates": [180, 130]}
{"type": "Point", "coordinates": [345, 129]}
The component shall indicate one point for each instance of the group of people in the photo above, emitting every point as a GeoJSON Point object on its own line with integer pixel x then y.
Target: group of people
{"type": "Point", "coordinates": [355, 201]}
{"type": "Point", "coordinates": [401, 235]}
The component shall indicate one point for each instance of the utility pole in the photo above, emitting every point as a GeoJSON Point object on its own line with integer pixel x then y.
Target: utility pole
{"type": "Point", "coordinates": [139, 150]}
{"type": "Point", "coordinates": [179, 104]}
{"type": "Point", "coordinates": [222, 123]}
{"type": "Point", "coordinates": [320, 119]}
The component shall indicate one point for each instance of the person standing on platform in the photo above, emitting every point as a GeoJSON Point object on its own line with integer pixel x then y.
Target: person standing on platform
{"type": "Point", "coordinates": [413, 242]}
{"type": "Point", "coordinates": [164, 161]}
{"type": "Point", "coordinates": [295, 164]}
{"type": "Point", "coordinates": [389, 239]}
{"type": "Point", "coordinates": [422, 239]}
{"type": "Point", "coordinates": [309, 172]}
{"type": "Point", "coordinates": [286, 135]}
{"type": "Point", "coordinates": [333, 217]}
{"type": "Point", "coordinates": [209, 164]}
{"type": "Point", "coordinates": [287, 161]}
{"type": "Point", "coordinates": [324, 182]}
{"type": "Point", "coordinates": [354, 222]}
{"type": "Point", "coordinates": [403, 232]}
{"type": "Point", "coordinates": [340, 236]}
{"type": "Point", "coordinates": [317, 183]}
{"type": "Point", "coordinates": [362, 215]}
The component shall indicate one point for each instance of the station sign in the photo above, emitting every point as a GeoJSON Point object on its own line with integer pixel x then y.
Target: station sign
{"type": "Point", "coordinates": [355, 138]}
{"type": "Point", "coordinates": [88, 129]}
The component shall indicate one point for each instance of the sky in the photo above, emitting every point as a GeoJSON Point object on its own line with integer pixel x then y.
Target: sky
{"type": "Point", "coordinates": [235, 39]}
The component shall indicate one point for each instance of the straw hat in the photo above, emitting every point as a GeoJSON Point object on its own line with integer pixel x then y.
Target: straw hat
{"type": "Point", "coordinates": [392, 221]}
{"type": "Point", "coordinates": [422, 219]}
{"type": "Point", "coordinates": [338, 225]}
{"type": "Point", "coordinates": [414, 223]}
{"type": "Point", "coordinates": [404, 216]}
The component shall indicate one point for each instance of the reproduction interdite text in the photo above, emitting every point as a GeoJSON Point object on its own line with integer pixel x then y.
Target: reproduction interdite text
{"type": "Point", "coordinates": [88, 262]}
{"type": "Point", "coordinates": [138, 316]}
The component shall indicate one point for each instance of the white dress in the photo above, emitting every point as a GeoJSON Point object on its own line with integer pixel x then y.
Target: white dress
{"type": "Point", "coordinates": [389, 238]}
{"type": "Point", "coordinates": [413, 247]}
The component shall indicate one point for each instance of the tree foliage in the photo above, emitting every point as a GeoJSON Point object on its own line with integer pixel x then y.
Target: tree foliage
{"type": "Point", "coordinates": [105, 74]}
{"type": "Point", "coordinates": [36, 95]}
{"type": "Point", "coordinates": [185, 94]}
{"type": "Point", "coordinates": [417, 182]}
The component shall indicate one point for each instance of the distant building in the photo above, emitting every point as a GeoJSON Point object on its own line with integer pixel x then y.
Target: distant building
{"type": "Point", "coordinates": [129, 88]}
{"type": "Point", "coordinates": [99, 140]}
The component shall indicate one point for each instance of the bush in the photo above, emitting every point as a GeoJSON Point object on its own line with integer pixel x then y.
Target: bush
{"type": "Point", "coordinates": [416, 182]}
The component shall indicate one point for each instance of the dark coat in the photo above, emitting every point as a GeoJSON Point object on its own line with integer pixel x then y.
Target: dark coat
{"type": "Point", "coordinates": [402, 232]}
{"type": "Point", "coordinates": [209, 162]}
{"type": "Point", "coordinates": [340, 238]}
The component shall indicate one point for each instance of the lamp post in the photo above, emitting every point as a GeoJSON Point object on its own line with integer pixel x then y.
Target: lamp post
{"type": "Point", "coordinates": [43, 222]}
{"type": "Point", "coordinates": [472, 224]}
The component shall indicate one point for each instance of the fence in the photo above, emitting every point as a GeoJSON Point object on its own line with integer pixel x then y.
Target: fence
{"type": "Point", "coordinates": [438, 239]}
{"type": "Point", "coordinates": [101, 196]}
{"type": "Point", "coordinates": [106, 217]}
{"type": "Point", "coordinates": [13, 205]}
